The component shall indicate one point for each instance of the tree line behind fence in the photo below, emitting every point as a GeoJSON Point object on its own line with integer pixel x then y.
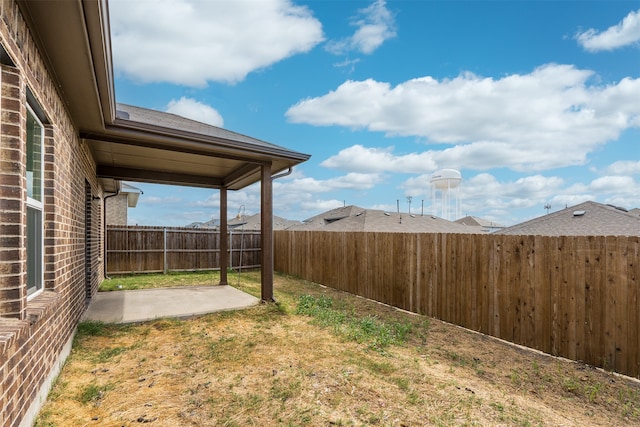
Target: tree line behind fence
{"type": "Point", "coordinates": [575, 297]}
{"type": "Point", "coordinates": [138, 249]}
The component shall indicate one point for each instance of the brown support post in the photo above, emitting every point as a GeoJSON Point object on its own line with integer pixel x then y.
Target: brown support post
{"type": "Point", "coordinates": [266, 231]}
{"type": "Point", "coordinates": [224, 237]}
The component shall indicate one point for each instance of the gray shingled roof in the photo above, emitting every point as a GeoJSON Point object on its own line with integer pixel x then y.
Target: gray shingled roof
{"type": "Point", "coordinates": [354, 218]}
{"type": "Point", "coordinates": [585, 219]}
{"type": "Point", "coordinates": [483, 225]}
{"type": "Point", "coordinates": [320, 221]}
{"type": "Point", "coordinates": [246, 223]}
{"type": "Point", "coordinates": [173, 121]}
{"type": "Point", "coordinates": [253, 223]}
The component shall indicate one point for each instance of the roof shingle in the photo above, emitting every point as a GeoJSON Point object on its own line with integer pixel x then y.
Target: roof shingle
{"type": "Point", "coordinates": [354, 218]}
{"type": "Point", "coordinates": [585, 219]}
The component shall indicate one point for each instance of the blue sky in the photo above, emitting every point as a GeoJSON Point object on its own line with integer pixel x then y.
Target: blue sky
{"type": "Point", "coordinates": [534, 102]}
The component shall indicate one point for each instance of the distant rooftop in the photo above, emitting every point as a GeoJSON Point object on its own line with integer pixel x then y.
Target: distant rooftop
{"type": "Point", "coordinates": [246, 223]}
{"type": "Point", "coordinates": [354, 218]}
{"type": "Point", "coordinates": [132, 193]}
{"type": "Point", "coordinates": [253, 222]}
{"type": "Point", "coordinates": [585, 219]}
{"type": "Point", "coordinates": [483, 225]}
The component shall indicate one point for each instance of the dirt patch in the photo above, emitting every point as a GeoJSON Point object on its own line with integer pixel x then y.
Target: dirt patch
{"type": "Point", "coordinates": [269, 365]}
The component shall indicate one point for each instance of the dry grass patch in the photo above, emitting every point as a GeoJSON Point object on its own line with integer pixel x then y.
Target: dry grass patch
{"type": "Point", "coordinates": [323, 358]}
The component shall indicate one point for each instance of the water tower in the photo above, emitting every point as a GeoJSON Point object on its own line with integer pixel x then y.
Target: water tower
{"type": "Point", "coordinates": [445, 185]}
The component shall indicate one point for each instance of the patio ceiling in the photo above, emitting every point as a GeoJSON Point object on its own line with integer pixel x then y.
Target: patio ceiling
{"type": "Point", "coordinates": [132, 143]}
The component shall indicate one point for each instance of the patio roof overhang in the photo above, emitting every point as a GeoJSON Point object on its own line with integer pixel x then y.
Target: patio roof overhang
{"type": "Point", "coordinates": [137, 144]}
{"type": "Point", "coordinates": [133, 143]}
{"type": "Point", "coordinates": [151, 146]}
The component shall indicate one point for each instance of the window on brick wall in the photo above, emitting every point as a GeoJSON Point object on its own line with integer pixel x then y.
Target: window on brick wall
{"type": "Point", "coordinates": [34, 241]}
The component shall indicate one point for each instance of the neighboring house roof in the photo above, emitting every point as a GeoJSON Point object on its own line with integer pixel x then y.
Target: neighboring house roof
{"type": "Point", "coordinates": [353, 218]}
{"type": "Point", "coordinates": [320, 221]}
{"type": "Point", "coordinates": [585, 219]}
{"type": "Point", "coordinates": [132, 143]}
{"type": "Point", "coordinates": [253, 222]}
{"type": "Point", "coordinates": [483, 225]}
{"type": "Point", "coordinates": [212, 223]}
{"type": "Point", "coordinates": [247, 223]}
{"type": "Point", "coordinates": [132, 193]}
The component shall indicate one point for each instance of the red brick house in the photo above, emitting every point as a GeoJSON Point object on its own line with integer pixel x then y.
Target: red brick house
{"type": "Point", "coordinates": [65, 145]}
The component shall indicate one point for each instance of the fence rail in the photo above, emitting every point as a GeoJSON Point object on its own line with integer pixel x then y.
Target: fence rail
{"type": "Point", "coordinates": [575, 297]}
{"type": "Point", "coordinates": [137, 249]}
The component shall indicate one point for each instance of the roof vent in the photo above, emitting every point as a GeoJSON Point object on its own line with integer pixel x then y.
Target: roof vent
{"type": "Point", "coordinates": [387, 214]}
{"type": "Point", "coordinates": [579, 213]}
{"type": "Point", "coordinates": [122, 114]}
{"type": "Point", "coordinates": [617, 207]}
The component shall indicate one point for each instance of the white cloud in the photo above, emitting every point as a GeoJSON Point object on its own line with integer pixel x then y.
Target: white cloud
{"type": "Point", "coordinates": [563, 201]}
{"type": "Point", "coordinates": [625, 167]}
{"type": "Point", "coordinates": [613, 184]}
{"type": "Point", "coordinates": [367, 160]}
{"type": "Point", "coordinates": [484, 193]}
{"type": "Point", "coordinates": [625, 33]}
{"type": "Point", "coordinates": [350, 181]}
{"type": "Point", "coordinates": [321, 205]}
{"type": "Point", "coordinates": [191, 42]}
{"type": "Point", "coordinates": [301, 197]}
{"type": "Point", "coordinates": [551, 117]}
{"type": "Point", "coordinates": [613, 189]}
{"type": "Point", "coordinates": [247, 199]}
{"type": "Point", "coordinates": [476, 156]}
{"type": "Point", "coordinates": [294, 197]}
{"type": "Point", "coordinates": [375, 25]}
{"type": "Point", "coordinates": [531, 191]}
{"type": "Point", "coordinates": [525, 191]}
{"type": "Point", "coordinates": [194, 110]}
{"type": "Point", "coordinates": [347, 63]}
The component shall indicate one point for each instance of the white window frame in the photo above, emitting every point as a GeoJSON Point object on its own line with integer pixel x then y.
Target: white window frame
{"type": "Point", "coordinates": [39, 206]}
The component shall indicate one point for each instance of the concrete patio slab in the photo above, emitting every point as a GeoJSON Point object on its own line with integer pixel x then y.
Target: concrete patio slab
{"type": "Point", "coordinates": [148, 304]}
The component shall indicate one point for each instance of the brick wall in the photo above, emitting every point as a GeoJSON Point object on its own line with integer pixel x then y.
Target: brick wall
{"type": "Point", "coordinates": [12, 196]}
{"type": "Point", "coordinates": [117, 210]}
{"type": "Point", "coordinates": [35, 332]}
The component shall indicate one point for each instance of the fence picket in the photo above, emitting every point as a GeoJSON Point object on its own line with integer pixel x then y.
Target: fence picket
{"type": "Point", "coordinates": [139, 249]}
{"type": "Point", "coordinates": [576, 297]}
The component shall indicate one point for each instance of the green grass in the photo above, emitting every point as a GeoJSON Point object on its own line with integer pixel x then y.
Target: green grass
{"type": "Point", "coordinates": [151, 281]}
{"type": "Point", "coordinates": [93, 393]}
{"type": "Point", "coordinates": [92, 328]}
{"type": "Point", "coordinates": [110, 353]}
{"type": "Point", "coordinates": [371, 330]}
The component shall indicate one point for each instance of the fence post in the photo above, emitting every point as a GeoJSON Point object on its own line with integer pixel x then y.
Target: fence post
{"type": "Point", "coordinates": [230, 249]}
{"type": "Point", "coordinates": [164, 250]}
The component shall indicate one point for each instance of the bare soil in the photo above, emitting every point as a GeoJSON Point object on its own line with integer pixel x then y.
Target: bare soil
{"type": "Point", "coordinates": [268, 366]}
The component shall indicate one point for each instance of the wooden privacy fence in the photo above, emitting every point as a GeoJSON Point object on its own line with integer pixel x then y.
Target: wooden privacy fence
{"type": "Point", "coordinates": [138, 249]}
{"type": "Point", "coordinates": [575, 297]}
